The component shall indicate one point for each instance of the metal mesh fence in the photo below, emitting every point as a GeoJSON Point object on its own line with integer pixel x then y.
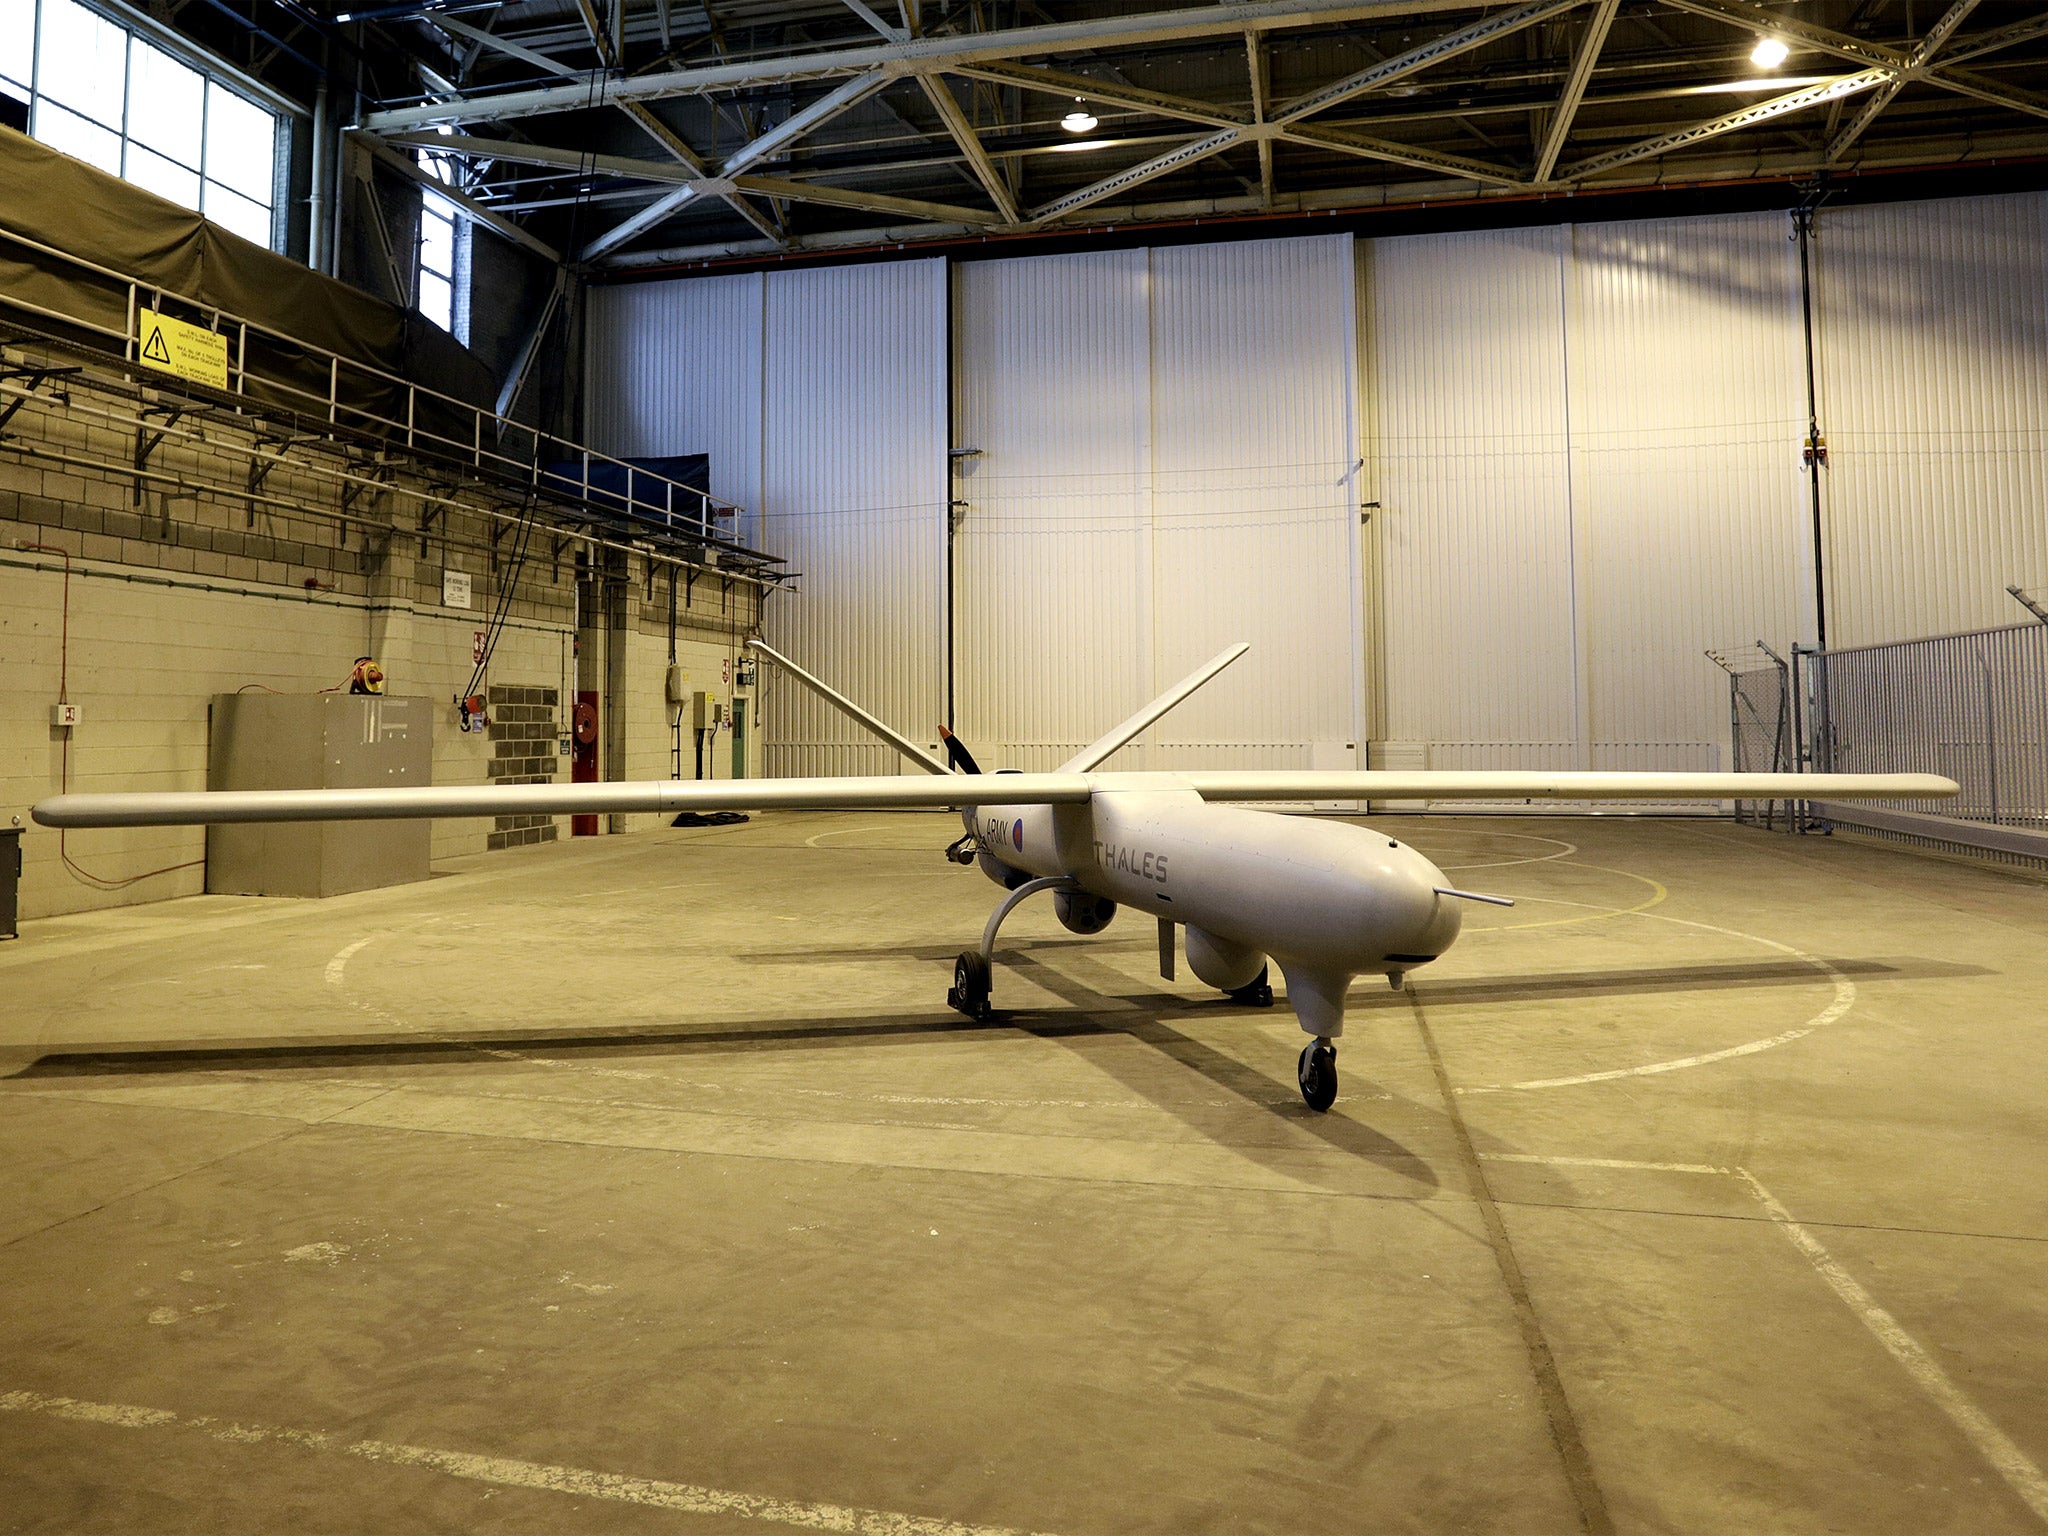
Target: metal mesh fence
{"type": "Point", "coordinates": [1973, 707]}
{"type": "Point", "coordinates": [1760, 726]}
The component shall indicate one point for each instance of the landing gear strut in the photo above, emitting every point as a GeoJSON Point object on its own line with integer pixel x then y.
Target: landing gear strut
{"type": "Point", "coordinates": [1317, 1072]}
{"type": "Point", "coordinates": [972, 971]}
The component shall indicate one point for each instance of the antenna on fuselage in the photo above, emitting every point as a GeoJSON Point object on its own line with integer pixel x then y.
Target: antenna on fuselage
{"type": "Point", "coordinates": [854, 712]}
{"type": "Point", "coordinates": [1101, 748]}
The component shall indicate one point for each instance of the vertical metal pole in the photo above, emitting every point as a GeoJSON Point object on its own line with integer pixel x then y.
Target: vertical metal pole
{"type": "Point", "coordinates": [1800, 753]}
{"type": "Point", "coordinates": [334, 389]}
{"type": "Point", "coordinates": [242, 361]}
{"type": "Point", "coordinates": [1990, 736]}
{"type": "Point", "coordinates": [128, 346]}
{"type": "Point", "coordinates": [1802, 219]}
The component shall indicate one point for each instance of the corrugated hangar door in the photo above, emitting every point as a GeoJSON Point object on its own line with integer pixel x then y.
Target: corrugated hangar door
{"type": "Point", "coordinates": [1156, 457]}
{"type": "Point", "coordinates": [853, 496]}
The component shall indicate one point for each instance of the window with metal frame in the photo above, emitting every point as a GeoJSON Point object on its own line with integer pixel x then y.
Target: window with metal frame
{"type": "Point", "coordinates": [108, 95]}
{"type": "Point", "coordinates": [440, 281]}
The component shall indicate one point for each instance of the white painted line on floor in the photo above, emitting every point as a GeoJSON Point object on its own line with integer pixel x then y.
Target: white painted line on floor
{"type": "Point", "coordinates": [817, 839]}
{"type": "Point", "coordinates": [1600, 1162]}
{"type": "Point", "coordinates": [1844, 1000]}
{"type": "Point", "coordinates": [339, 964]}
{"type": "Point", "coordinates": [1991, 1442]}
{"type": "Point", "coordinates": [578, 1482]}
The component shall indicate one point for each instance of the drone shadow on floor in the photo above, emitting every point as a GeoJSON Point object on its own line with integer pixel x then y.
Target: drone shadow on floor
{"type": "Point", "coordinates": [1097, 1007]}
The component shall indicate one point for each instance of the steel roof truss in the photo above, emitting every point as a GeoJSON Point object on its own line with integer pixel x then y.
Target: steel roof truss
{"type": "Point", "coordinates": [1881, 98]}
{"type": "Point", "coordinates": [1803, 34]}
{"type": "Point", "coordinates": [1591, 41]}
{"type": "Point", "coordinates": [1345, 143]}
{"type": "Point", "coordinates": [1967, 82]}
{"type": "Point", "coordinates": [874, 202]}
{"type": "Point", "coordinates": [1433, 52]}
{"type": "Point", "coordinates": [783, 134]}
{"type": "Point", "coordinates": [1159, 165]}
{"type": "Point", "coordinates": [919, 54]}
{"type": "Point", "coordinates": [1763, 111]}
{"type": "Point", "coordinates": [991, 179]}
{"type": "Point", "coordinates": [2005, 37]}
{"type": "Point", "coordinates": [1053, 82]}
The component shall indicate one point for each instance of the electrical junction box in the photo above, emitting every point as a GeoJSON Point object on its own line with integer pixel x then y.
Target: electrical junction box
{"type": "Point", "coordinates": [703, 711]}
{"type": "Point", "coordinates": [678, 686]}
{"type": "Point", "coordinates": [65, 715]}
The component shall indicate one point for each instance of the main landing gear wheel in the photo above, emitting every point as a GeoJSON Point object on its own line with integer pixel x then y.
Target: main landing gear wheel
{"type": "Point", "coordinates": [970, 989]}
{"type": "Point", "coordinates": [1257, 993]}
{"type": "Point", "coordinates": [1317, 1071]}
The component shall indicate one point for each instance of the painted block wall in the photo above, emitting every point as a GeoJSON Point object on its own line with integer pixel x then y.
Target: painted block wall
{"type": "Point", "coordinates": [145, 661]}
{"type": "Point", "coordinates": [175, 596]}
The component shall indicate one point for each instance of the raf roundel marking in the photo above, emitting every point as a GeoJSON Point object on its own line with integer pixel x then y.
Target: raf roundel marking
{"type": "Point", "coordinates": [1017, 835]}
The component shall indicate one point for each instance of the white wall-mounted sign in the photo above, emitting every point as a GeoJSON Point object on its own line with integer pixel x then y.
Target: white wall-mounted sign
{"type": "Point", "coordinates": [456, 590]}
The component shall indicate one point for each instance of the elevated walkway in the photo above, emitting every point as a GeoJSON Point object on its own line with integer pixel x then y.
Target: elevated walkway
{"type": "Point", "coordinates": [360, 447]}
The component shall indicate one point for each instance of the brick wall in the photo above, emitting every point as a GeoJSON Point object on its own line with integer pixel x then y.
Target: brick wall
{"type": "Point", "coordinates": [525, 727]}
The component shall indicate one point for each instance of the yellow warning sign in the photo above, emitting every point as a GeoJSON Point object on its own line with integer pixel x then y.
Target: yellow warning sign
{"type": "Point", "coordinates": [190, 351]}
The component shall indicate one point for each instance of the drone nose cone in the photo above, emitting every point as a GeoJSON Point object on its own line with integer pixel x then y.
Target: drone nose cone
{"type": "Point", "coordinates": [1430, 922]}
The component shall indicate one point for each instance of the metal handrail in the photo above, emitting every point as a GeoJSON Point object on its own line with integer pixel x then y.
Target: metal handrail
{"type": "Point", "coordinates": [416, 436]}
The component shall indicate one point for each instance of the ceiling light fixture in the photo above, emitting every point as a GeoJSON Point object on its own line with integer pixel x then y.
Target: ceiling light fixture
{"type": "Point", "coordinates": [1768, 53]}
{"type": "Point", "coordinates": [1080, 120]}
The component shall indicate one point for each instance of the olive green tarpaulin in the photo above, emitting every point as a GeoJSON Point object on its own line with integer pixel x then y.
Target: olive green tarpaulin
{"type": "Point", "coordinates": [50, 198]}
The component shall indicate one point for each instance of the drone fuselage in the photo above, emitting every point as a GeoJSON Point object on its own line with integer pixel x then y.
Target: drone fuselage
{"type": "Point", "coordinates": [1327, 901]}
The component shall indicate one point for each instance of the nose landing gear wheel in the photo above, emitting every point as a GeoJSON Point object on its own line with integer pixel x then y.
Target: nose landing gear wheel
{"type": "Point", "coordinates": [1317, 1073]}
{"type": "Point", "coordinates": [970, 989]}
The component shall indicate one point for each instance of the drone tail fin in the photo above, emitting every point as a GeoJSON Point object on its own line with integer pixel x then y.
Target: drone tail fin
{"type": "Point", "coordinates": [1096, 751]}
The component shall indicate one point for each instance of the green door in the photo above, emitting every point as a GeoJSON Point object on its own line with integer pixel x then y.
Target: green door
{"type": "Point", "coordinates": [739, 738]}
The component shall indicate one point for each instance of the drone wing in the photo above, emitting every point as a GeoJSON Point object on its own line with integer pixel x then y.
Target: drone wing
{"type": "Point", "coordinates": [878, 792]}
{"type": "Point", "coordinates": [900, 792]}
{"type": "Point", "coordinates": [1512, 785]}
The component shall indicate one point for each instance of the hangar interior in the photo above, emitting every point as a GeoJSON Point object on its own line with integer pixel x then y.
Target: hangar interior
{"type": "Point", "coordinates": [1612, 386]}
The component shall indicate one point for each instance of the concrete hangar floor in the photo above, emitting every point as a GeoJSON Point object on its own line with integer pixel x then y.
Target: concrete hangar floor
{"type": "Point", "coordinates": [645, 1184]}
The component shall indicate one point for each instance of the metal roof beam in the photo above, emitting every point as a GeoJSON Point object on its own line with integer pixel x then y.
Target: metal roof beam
{"type": "Point", "coordinates": [874, 202]}
{"type": "Point", "coordinates": [918, 55]}
{"type": "Point", "coordinates": [2005, 37]}
{"type": "Point", "coordinates": [1053, 82]}
{"type": "Point", "coordinates": [1435, 51]}
{"type": "Point", "coordinates": [568, 160]}
{"type": "Point", "coordinates": [598, 36]}
{"type": "Point", "coordinates": [504, 45]}
{"type": "Point", "coordinates": [1346, 143]}
{"type": "Point", "coordinates": [408, 167]}
{"type": "Point", "coordinates": [963, 133]}
{"type": "Point", "coordinates": [1159, 165]}
{"type": "Point", "coordinates": [1794, 31]}
{"type": "Point", "coordinates": [1763, 111]}
{"type": "Point", "coordinates": [1591, 41]}
{"type": "Point", "coordinates": [692, 162]}
{"type": "Point", "coordinates": [1256, 74]}
{"type": "Point", "coordinates": [1881, 98]}
{"type": "Point", "coordinates": [1967, 82]}
{"type": "Point", "coordinates": [861, 9]}
{"type": "Point", "coordinates": [774, 140]}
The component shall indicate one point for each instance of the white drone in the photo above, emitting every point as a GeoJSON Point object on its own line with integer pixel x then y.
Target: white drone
{"type": "Point", "coordinates": [1326, 901]}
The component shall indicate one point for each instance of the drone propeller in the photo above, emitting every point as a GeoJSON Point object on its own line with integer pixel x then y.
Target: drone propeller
{"type": "Point", "coordinates": [957, 753]}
